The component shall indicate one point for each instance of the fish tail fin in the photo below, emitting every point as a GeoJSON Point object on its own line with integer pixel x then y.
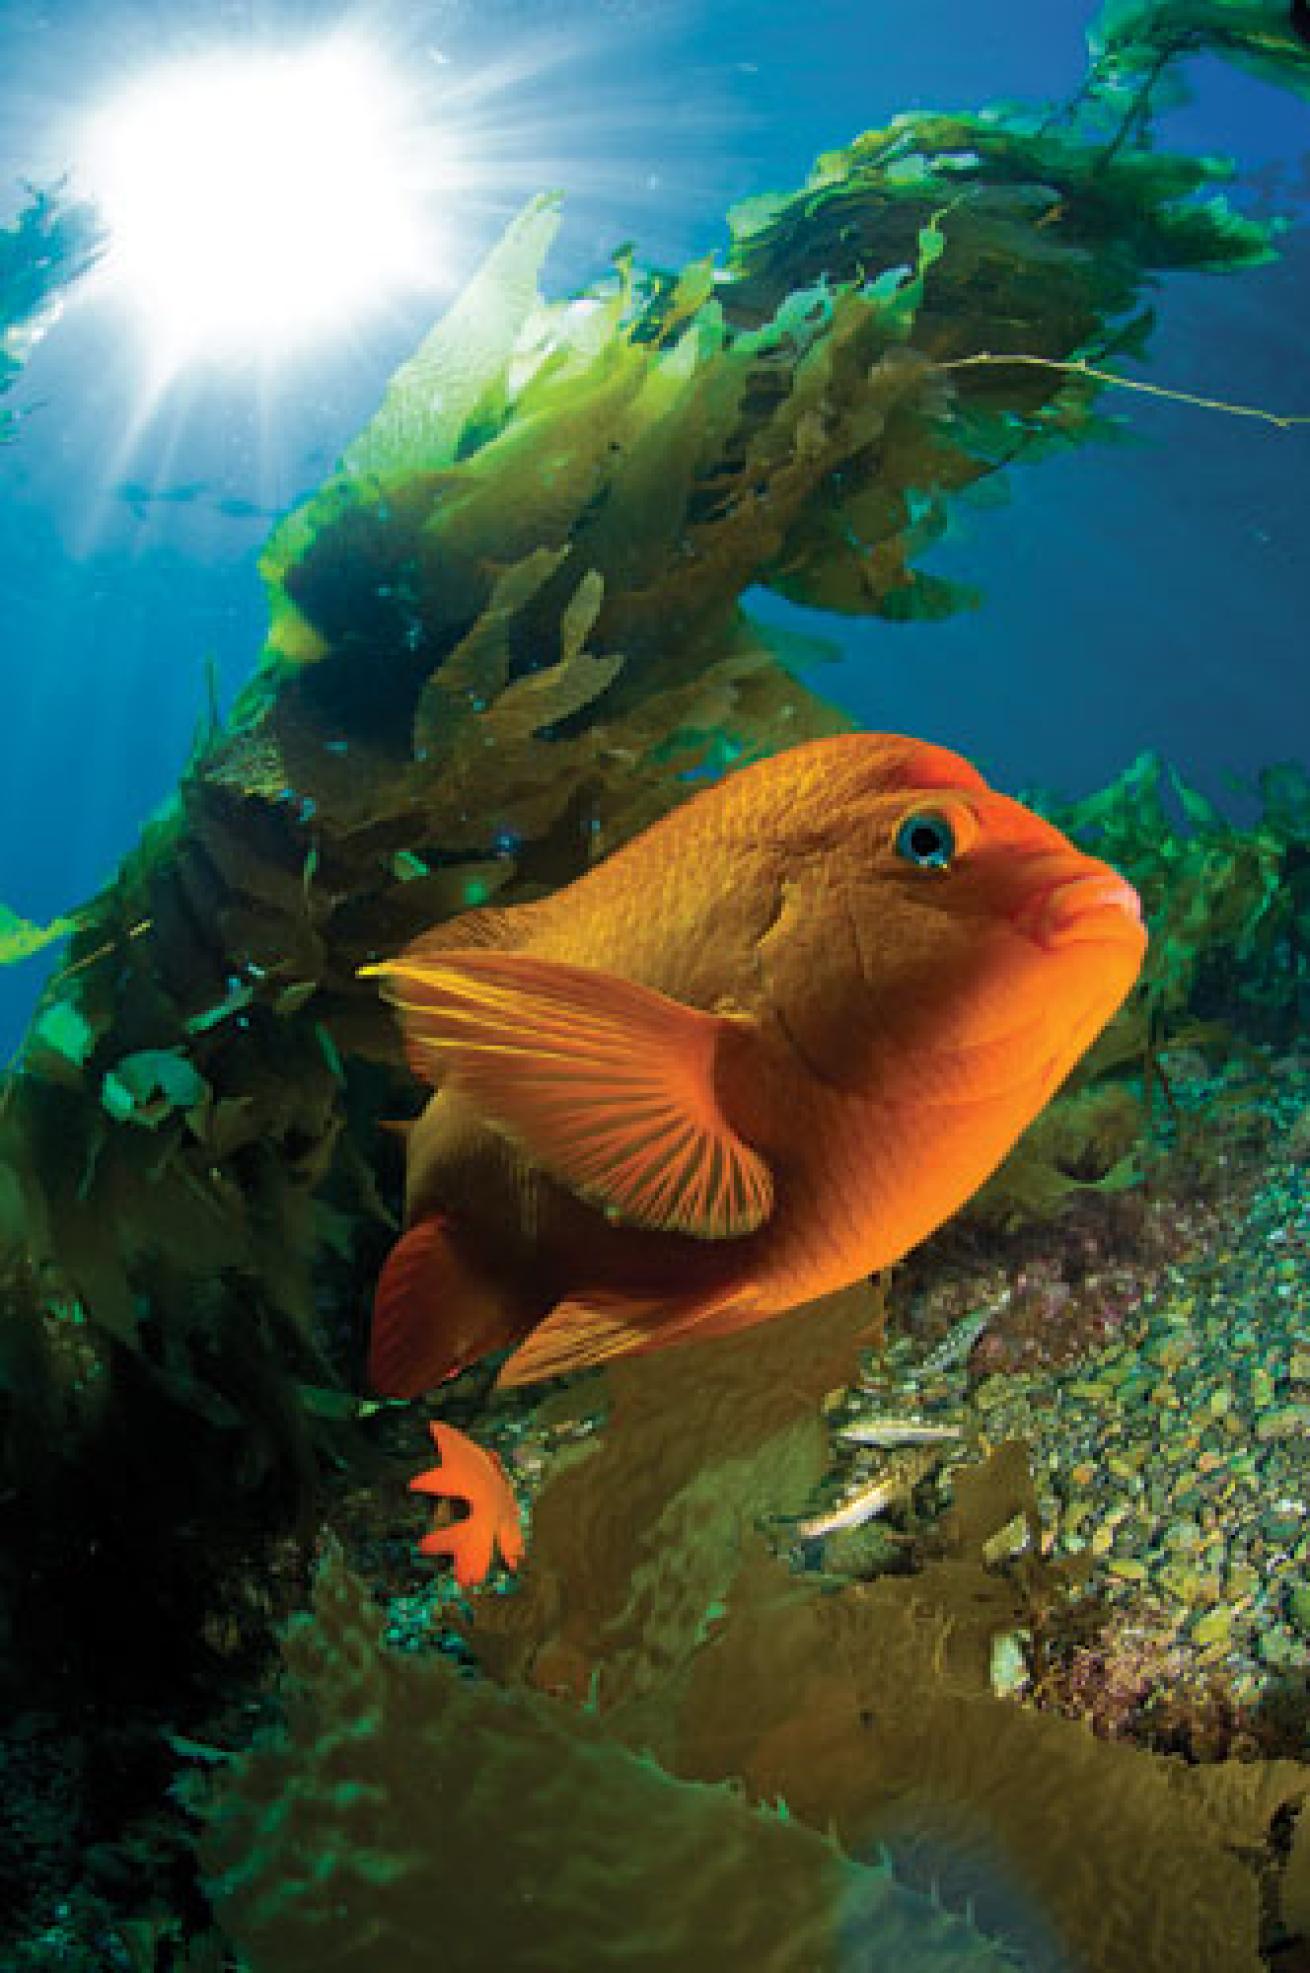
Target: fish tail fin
{"type": "Point", "coordinates": [434, 1313]}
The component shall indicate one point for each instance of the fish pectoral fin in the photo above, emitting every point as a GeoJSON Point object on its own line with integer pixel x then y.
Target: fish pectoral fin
{"type": "Point", "coordinates": [608, 1086]}
{"type": "Point", "coordinates": [433, 1314]}
{"type": "Point", "coordinates": [588, 1330]}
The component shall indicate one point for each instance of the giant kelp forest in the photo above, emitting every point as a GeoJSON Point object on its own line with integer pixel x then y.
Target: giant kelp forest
{"type": "Point", "coordinates": [505, 634]}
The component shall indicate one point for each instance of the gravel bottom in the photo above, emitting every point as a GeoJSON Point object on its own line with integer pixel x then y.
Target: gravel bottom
{"type": "Point", "coordinates": [1178, 1455]}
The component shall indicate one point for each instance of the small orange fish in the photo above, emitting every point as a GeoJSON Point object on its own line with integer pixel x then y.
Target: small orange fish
{"type": "Point", "coordinates": [759, 1052]}
{"type": "Point", "coordinates": [470, 1473]}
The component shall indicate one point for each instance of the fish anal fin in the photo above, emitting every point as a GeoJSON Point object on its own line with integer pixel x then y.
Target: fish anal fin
{"type": "Point", "coordinates": [585, 1331]}
{"type": "Point", "coordinates": [701, 1322]}
{"type": "Point", "coordinates": [433, 1314]}
{"type": "Point", "coordinates": [609, 1086]}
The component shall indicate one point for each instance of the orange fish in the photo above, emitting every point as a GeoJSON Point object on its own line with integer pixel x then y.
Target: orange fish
{"type": "Point", "coordinates": [470, 1473]}
{"type": "Point", "coordinates": [759, 1052]}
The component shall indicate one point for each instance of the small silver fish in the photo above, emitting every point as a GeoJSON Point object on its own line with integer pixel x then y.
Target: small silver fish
{"type": "Point", "coordinates": [890, 1432]}
{"type": "Point", "coordinates": [865, 1504]}
{"type": "Point", "coordinates": [895, 1483]}
{"type": "Point", "coordinates": [954, 1347]}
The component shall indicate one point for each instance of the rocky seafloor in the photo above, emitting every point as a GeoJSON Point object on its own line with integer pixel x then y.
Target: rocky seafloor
{"type": "Point", "coordinates": [1150, 1346]}
{"type": "Point", "coordinates": [1152, 1349]}
{"type": "Point", "coordinates": [1154, 1353]}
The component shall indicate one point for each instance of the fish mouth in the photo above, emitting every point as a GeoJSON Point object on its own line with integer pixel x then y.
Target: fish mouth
{"type": "Point", "coordinates": [1085, 907]}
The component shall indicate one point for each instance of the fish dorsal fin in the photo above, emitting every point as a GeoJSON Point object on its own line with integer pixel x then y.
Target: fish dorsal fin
{"type": "Point", "coordinates": [588, 1330]}
{"type": "Point", "coordinates": [606, 1085]}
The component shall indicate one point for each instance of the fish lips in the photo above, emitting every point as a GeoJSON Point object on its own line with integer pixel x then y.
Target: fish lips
{"type": "Point", "coordinates": [1082, 905]}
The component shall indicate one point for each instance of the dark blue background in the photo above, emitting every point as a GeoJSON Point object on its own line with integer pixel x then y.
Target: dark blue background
{"type": "Point", "coordinates": [1144, 595]}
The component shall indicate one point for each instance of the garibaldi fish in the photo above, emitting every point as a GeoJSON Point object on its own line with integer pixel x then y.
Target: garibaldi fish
{"type": "Point", "coordinates": [762, 1050]}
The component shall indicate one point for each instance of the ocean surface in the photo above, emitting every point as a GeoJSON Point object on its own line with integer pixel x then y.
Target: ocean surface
{"type": "Point", "coordinates": [959, 1618]}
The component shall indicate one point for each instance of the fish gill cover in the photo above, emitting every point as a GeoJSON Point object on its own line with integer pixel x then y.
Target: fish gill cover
{"type": "Point", "coordinates": [505, 635]}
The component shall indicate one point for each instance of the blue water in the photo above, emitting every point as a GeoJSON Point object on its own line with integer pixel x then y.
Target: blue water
{"type": "Point", "coordinates": [1151, 594]}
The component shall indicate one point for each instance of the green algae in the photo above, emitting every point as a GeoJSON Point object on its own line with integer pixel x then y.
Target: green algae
{"type": "Point", "coordinates": [1228, 911]}
{"type": "Point", "coordinates": [1228, 905]}
{"type": "Point", "coordinates": [440, 1821]}
{"type": "Point", "coordinates": [1136, 42]}
{"type": "Point", "coordinates": [53, 242]}
{"type": "Point", "coordinates": [21, 938]}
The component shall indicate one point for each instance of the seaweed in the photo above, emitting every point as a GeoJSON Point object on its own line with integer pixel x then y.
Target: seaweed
{"type": "Point", "coordinates": [1228, 906]}
{"type": "Point", "coordinates": [53, 243]}
{"type": "Point", "coordinates": [1228, 965]}
{"type": "Point", "coordinates": [660, 1648]}
{"type": "Point", "coordinates": [506, 634]}
{"type": "Point", "coordinates": [436, 1820]}
{"type": "Point", "coordinates": [1137, 41]}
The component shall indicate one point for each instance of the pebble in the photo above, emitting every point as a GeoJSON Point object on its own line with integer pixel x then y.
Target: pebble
{"type": "Point", "coordinates": [1290, 1421]}
{"type": "Point", "coordinates": [1213, 1627]}
{"type": "Point", "coordinates": [1280, 1649]}
{"type": "Point", "coordinates": [1298, 1608]}
{"type": "Point", "coordinates": [1176, 1457]}
{"type": "Point", "coordinates": [1009, 1664]}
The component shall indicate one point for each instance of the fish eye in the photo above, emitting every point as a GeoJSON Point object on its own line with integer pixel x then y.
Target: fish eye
{"type": "Point", "coordinates": [927, 840]}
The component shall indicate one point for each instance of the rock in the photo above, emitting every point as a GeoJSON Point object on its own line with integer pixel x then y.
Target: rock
{"type": "Point", "coordinates": [1288, 1421]}
{"type": "Point", "coordinates": [1213, 1627]}
{"type": "Point", "coordinates": [1298, 1608]}
{"type": "Point", "coordinates": [1280, 1649]}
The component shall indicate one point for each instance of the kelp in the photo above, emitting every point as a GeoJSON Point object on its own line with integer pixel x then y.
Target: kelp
{"type": "Point", "coordinates": [659, 1648]}
{"type": "Point", "coordinates": [778, 423]}
{"type": "Point", "coordinates": [1089, 1139]}
{"type": "Point", "coordinates": [438, 1822]}
{"type": "Point", "coordinates": [1136, 41]}
{"type": "Point", "coordinates": [20, 938]}
{"type": "Point", "coordinates": [506, 634]}
{"type": "Point", "coordinates": [1228, 909]}
{"type": "Point", "coordinates": [1228, 905]}
{"type": "Point", "coordinates": [54, 242]}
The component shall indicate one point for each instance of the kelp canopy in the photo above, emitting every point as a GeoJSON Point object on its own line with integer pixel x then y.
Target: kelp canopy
{"type": "Point", "coordinates": [508, 632]}
{"type": "Point", "coordinates": [52, 242]}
